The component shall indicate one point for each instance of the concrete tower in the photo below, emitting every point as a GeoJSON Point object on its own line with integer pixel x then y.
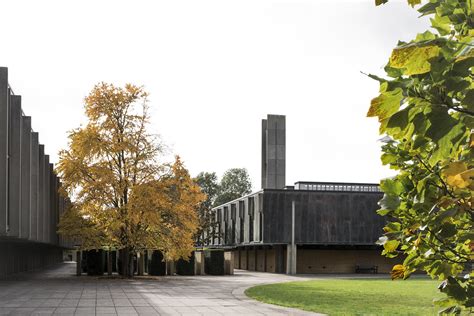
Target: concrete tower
{"type": "Point", "coordinates": [273, 152]}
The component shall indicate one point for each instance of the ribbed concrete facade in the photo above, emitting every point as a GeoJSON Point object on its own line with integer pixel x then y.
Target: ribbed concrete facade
{"type": "Point", "coordinates": [30, 204]}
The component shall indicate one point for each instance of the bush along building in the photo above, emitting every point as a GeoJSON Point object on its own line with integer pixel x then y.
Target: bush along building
{"type": "Point", "coordinates": [311, 227]}
{"type": "Point", "coordinates": [30, 204]}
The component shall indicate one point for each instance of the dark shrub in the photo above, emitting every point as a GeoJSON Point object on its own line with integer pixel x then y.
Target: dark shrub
{"type": "Point", "coordinates": [184, 267]}
{"type": "Point", "coordinates": [95, 262]}
{"type": "Point", "coordinates": [214, 262]}
{"type": "Point", "coordinates": [157, 266]}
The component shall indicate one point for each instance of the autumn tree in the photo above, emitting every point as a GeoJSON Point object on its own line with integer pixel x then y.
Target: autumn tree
{"type": "Point", "coordinates": [234, 183]}
{"type": "Point", "coordinates": [123, 198]}
{"type": "Point", "coordinates": [426, 110]}
{"type": "Point", "coordinates": [209, 185]}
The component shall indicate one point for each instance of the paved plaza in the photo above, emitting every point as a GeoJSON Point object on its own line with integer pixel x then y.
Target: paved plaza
{"type": "Point", "coordinates": [58, 291]}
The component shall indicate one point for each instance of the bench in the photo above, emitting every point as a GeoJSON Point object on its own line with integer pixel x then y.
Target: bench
{"type": "Point", "coordinates": [366, 269]}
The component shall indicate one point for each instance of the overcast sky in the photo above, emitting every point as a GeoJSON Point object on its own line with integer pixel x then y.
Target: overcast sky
{"type": "Point", "coordinates": [214, 69]}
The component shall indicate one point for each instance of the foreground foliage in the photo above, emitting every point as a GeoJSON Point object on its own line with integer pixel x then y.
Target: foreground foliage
{"type": "Point", "coordinates": [426, 110]}
{"type": "Point", "coordinates": [123, 198]}
{"type": "Point", "coordinates": [352, 297]}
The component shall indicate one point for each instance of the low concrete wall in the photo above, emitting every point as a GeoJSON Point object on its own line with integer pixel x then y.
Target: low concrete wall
{"type": "Point", "coordinates": [18, 257]}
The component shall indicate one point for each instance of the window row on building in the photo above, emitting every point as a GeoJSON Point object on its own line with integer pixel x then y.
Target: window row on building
{"type": "Point", "coordinates": [339, 187]}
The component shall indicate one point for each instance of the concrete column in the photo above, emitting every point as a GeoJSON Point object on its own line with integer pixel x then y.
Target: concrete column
{"type": "Point", "coordinates": [140, 263]}
{"type": "Point", "coordinates": [25, 177]}
{"type": "Point", "coordinates": [34, 186]}
{"type": "Point", "coordinates": [291, 250]}
{"type": "Point", "coordinates": [247, 258]}
{"type": "Point", "coordinates": [4, 92]}
{"type": "Point", "coordinates": [170, 268]}
{"type": "Point", "coordinates": [78, 263]}
{"type": "Point", "coordinates": [14, 170]}
{"type": "Point", "coordinates": [41, 190]}
{"type": "Point", "coordinates": [109, 262]}
{"type": "Point", "coordinates": [255, 258]}
{"type": "Point", "coordinates": [265, 258]}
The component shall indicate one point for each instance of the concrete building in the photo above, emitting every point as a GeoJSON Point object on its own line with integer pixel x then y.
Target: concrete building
{"type": "Point", "coordinates": [311, 227]}
{"type": "Point", "coordinates": [30, 204]}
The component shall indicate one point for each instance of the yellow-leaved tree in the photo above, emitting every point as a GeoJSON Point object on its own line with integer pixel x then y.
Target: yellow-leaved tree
{"type": "Point", "coordinates": [122, 197]}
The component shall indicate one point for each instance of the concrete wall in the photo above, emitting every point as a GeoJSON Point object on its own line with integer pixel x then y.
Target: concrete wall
{"type": "Point", "coordinates": [341, 261]}
{"type": "Point", "coordinates": [30, 204]}
{"type": "Point", "coordinates": [333, 218]}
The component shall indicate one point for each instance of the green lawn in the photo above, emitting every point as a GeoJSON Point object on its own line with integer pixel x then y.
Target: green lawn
{"type": "Point", "coordinates": [353, 296]}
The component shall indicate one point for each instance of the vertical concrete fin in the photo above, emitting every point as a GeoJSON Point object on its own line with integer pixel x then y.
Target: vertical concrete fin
{"type": "Point", "coordinates": [34, 186]}
{"type": "Point", "coordinates": [3, 149]}
{"type": "Point", "coordinates": [25, 177]}
{"type": "Point", "coordinates": [14, 167]}
{"type": "Point", "coordinates": [41, 190]}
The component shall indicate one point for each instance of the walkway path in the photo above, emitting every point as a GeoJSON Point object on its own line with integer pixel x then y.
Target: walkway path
{"type": "Point", "coordinates": [58, 291]}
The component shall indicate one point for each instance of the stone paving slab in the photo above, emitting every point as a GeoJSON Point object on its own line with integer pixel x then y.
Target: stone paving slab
{"type": "Point", "coordinates": [59, 292]}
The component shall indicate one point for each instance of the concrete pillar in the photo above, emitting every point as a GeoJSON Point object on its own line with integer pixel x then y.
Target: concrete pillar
{"type": "Point", "coordinates": [4, 92]}
{"type": "Point", "coordinates": [25, 177]}
{"type": "Point", "coordinates": [78, 263]}
{"type": "Point", "coordinates": [140, 263]}
{"type": "Point", "coordinates": [291, 249]}
{"type": "Point", "coordinates": [170, 268]}
{"type": "Point", "coordinates": [109, 262]}
{"type": "Point", "coordinates": [14, 170]}
{"type": "Point", "coordinates": [255, 258]}
{"type": "Point", "coordinates": [291, 259]}
{"type": "Point", "coordinates": [41, 190]}
{"type": "Point", "coordinates": [34, 186]}
{"type": "Point", "coordinates": [265, 258]}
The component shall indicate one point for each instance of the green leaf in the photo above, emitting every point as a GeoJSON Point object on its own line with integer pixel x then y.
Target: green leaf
{"type": "Point", "coordinates": [386, 104]}
{"type": "Point", "coordinates": [379, 2]}
{"type": "Point", "coordinates": [441, 123]}
{"type": "Point", "coordinates": [448, 230]}
{"type": "Point", "coordinates": [428, 8]}
{"type": "Point", "coordinates": [389, 202]}
{"type": "Point", "coordinates": [391, 245]}
{"type": "Point", "coordinates": [413, 2]}
{"type": "Point", "coordinates": [425, 36]}
{"type": "Point", "coordinates": [413, 58]}
{"type": "Point", "coordinates": [442, 24]}
{"type": "Point", "coordinates": [468, 101]}
{"type": "Point", "coordinates": [391, 186]}
{"type": "Point", "coordinates": [398, 121]}
{"type": "Point", "coordinates": [388, 158]}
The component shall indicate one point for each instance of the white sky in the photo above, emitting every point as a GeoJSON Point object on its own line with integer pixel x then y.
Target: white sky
{"type": "Point", "coordinates": [214, 69]}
